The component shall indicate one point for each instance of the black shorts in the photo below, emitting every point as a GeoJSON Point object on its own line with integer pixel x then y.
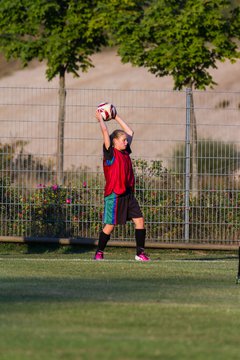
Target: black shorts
{"type": "Point", "coordinates": [120, 208]}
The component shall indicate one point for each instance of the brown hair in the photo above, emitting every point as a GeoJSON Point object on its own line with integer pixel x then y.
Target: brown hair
{"type": "Point", "coordinates": [116, 134]}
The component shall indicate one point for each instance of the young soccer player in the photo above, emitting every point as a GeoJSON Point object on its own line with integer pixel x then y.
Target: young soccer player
{"type": "Point", "coordinates": [120, 203]}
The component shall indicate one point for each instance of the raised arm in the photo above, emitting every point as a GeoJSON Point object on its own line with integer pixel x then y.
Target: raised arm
{"type": "Point", "coordinates": [124, 126]}
{"type": "Point", "coordinates": [104, 130]}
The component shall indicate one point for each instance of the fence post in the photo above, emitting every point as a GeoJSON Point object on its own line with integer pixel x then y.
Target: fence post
{"type": "Point", "coordinates": [61, 124]}
{"type": "Point", "coordinates": [187, 164]}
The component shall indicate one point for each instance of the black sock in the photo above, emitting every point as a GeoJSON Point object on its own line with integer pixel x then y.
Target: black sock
{"type": "Point", "coordinates": [102, 242]}
{"type": "Point", "coordinates": [140, 235]}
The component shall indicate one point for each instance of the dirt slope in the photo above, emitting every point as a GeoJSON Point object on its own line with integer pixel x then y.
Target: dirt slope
{"type": "Point", "coordinates": [108, 73]}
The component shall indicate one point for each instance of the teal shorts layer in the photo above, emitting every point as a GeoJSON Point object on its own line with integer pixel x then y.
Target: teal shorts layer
{"type": "Point", "coordinates": [118, 209]}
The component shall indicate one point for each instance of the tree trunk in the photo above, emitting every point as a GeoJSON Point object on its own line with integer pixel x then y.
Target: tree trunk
{"type": "Point", "coordinates": [61, 120]}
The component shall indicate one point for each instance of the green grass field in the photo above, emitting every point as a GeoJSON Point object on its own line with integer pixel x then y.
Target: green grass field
{"type": "Point", "coordinates": [56, 303]}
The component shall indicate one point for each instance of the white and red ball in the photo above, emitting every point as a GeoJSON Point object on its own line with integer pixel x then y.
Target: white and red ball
{"type": "Point", "coordinates": [108, 111]}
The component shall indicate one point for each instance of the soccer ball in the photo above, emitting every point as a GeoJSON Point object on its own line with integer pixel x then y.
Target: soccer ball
{"type": "Point", "coordinates": [108, 111]}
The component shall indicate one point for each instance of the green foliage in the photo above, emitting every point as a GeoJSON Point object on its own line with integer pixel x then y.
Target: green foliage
{"type": "Point", "coordinates": [219, 218]}
{"type": "Point", "coordinates": [56, 211]}
{"type": "Point", "coordinates": [76, 210]}
{"type": "Point", "coordinates": [8, 153]}
{"type": "Point", "coordinates": [180, 38]}
{"type": "Point", "coordinates": [20, 165]}
{"type": "Point", "coordinates": [9, 206]}
{"type": "Point", "coordinates": [213, 158]}
{"type": "Point", "coordinates": [65, 33]}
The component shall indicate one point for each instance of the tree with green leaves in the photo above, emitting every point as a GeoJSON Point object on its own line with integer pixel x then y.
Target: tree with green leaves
{"type": "Point", "coordinates": [183, 39]}
{"type": "Point", "coordinates": [64, 33]}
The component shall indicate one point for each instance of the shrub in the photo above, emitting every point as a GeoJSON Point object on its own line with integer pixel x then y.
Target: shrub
{"type": "Point", "coordinates": [76, 211]}
{"type": "Point", "coordinates": [213, 157]}
{"type": "Point", "coordinates": [56, 211]}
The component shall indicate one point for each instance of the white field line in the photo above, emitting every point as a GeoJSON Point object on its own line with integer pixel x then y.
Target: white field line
{"type": "Point", "coordinates": [117, 261]}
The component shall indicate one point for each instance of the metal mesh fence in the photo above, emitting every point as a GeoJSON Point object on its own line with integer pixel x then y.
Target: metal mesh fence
{"type": "Point", "coordinates": [32, 203]}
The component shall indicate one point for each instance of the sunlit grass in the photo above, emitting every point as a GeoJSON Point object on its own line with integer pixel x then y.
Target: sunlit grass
{"type": "Point", "coordinates": [60, 304]}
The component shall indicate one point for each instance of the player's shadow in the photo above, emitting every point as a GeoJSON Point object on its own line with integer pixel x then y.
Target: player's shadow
{"type": "Point", "coordinates": [60, 289]}
{"type": "Point", "coordinates": [46, 248]}
{"type": "Point", "coordinates": [216, 258]}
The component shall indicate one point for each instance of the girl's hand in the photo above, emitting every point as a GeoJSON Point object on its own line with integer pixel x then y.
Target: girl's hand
{"type": "Point", "coordinates": [98, 115]}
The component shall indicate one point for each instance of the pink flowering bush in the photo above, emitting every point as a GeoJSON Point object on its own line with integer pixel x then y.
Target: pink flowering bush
{"type": "Point", "coordinates": [51, 211]}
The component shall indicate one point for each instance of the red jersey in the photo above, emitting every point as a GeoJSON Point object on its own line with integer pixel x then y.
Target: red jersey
{"type": "Point", "coordinates": [118, 171]}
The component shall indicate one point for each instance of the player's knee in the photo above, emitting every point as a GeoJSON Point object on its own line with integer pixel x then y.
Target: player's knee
{"type": "Point", "coordinates": [108, 228]}
{"type": "Point", "coordinates": [139, 223]}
